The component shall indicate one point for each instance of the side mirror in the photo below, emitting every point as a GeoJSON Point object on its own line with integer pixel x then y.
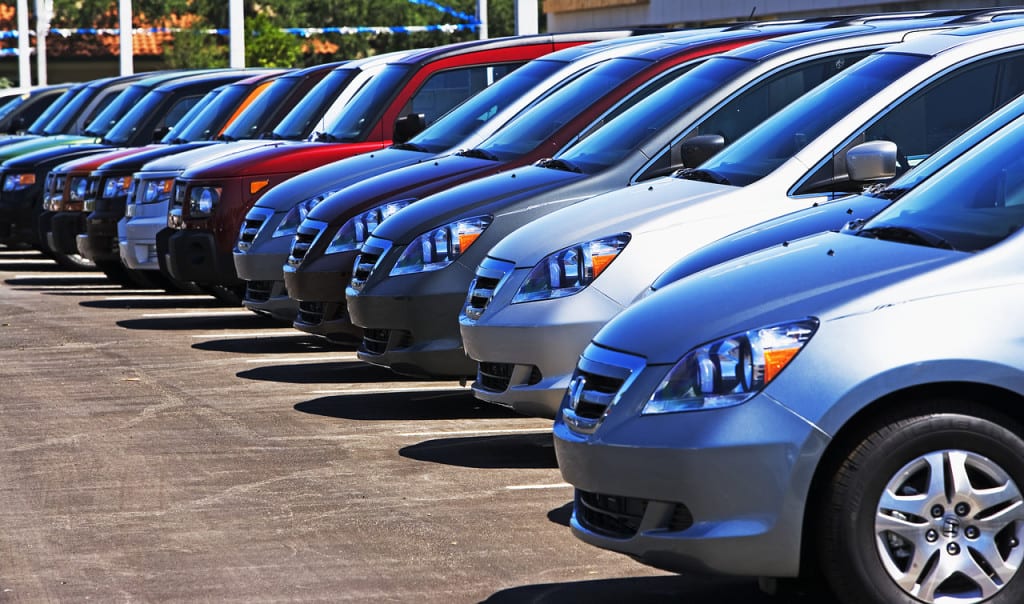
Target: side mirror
{"type": "Point", "coordinates": [160, 133]}
{"type": "Point", "coordinates": [697, 149]}
{"type": "Point", "coordinates": [872, 161]}
{"type": "Point", "coordinates": [408, 126]}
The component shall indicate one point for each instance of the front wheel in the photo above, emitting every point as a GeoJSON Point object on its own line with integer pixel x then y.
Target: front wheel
{"type": "Point", "coordinates": [928, 508]}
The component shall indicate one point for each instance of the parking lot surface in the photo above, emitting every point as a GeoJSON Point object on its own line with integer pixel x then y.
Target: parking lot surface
{"type": "Point", "coordinates": [158, 447]}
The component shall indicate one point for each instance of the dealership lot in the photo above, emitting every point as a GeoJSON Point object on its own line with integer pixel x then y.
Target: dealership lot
{"type": "Point", "coordinates": [163, 447]}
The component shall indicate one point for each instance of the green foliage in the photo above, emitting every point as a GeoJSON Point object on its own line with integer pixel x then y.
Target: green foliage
{"type": "Point", "coordinates": [194, 48]}
{"type": "Point", "coordinates": [267, 46]}
{"type": "Point", "coordinates": [272, 47]}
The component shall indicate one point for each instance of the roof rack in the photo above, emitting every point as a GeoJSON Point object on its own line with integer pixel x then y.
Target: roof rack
{"type": "Point", "coordinates": [990, 15]}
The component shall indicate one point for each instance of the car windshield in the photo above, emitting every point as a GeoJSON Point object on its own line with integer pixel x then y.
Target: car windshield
{"type": "Point", "coordinates": [252, 121]}
{"type": "Point", "coordinates": [466, 118]}
{"type": "Point", "coordinates": [362, 113]}
{"type": "Point", "coordinates": [121, 105]}
{"type": "Point", "coordinates": [39, 126]}
{"type": "Point", "coordinates": [633, 126]}
{"type": "Point", "coordinates": [301, 120]}
{"type": "Point", "coordinates": [545, 117]}
{"type": "Point", "coordinates": [769, 145]}
{"type": "Point", "coordinates": [206, 118]}
{"type": "Point", "coordinates": [969, 206]}
{"type": "Point", "coordinates": [121, 132]}
{"type": "Point", "coordinates": [64, 120]}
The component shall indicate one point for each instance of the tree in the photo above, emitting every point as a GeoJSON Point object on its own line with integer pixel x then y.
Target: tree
{"type": "Point", "coordinates": [267, 46]}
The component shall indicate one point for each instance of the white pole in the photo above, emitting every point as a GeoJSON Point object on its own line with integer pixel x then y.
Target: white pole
{"type": "Point", "coordinates": [24, 67]}
{"type": "Point", "coordinates": [481, 16]}
{"type": "Point", "coordinates": [124, 18]}
{"type": "Point", "coordinates": [526, 17]}
{"type": "Point", "coordinates": [44, 12]}
{"type": "Point", "coordinates": [236, 25]}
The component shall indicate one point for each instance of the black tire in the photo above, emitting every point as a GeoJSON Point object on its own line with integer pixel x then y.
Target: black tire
{"type": "Point", "coordinates": [75, 262]}
{"type": "Point", "coordinates": [922, 538]}
{"type": "Point", "coordinates": [228, 295]}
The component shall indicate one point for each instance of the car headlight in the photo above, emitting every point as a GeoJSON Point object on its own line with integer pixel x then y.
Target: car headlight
{"type": "Point", "coordinates": [79, 188]}
{"type": "Point", "coordinates": [17, 182]}
{"type": "Point", "coordinates": [440, 247]}
{"type": "Point", "coordinates": [354, 232]}
{"type": "Point", "coordinates": [291, 221]}
{"type": "Point", "coordinates": [731, 370]}
{"type": "Point", "coordinates": [116, 186]}
{"type": "Point", "coordinates": [202, 200]}
{"type": "Point", "coordinates": [571, 269]}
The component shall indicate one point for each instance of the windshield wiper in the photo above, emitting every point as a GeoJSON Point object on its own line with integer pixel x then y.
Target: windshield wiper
{"type": "Point", "coordinates": [884, 192]}
{"type": "Point", "coordinates": [478, 154]}
{"type": "Point", "coordinates": [905, 234]}
{"type": "Point", "coordinates": [701, 175]}
{"type": "Point", "coordinates": [226, 138]}
{"type": "Point", "coordinates": [559, 164]}
{"type": "Point", "coordinates": [410, 147]}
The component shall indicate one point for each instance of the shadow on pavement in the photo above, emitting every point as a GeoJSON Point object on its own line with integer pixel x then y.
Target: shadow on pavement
{"type": "Point", "coordinates": [338, 372]}
{"type": "Point", "coordinates": [561, 515]}
{"type": "Point", "coordinates": [405, 406]}
{"type": "Point", "coordinates": [297, 344]}
{"type": "Point", "coordinates": [212, 321]}
{"type": "Point", "coordinates": [520, 451]}
{"type": "Point", "coordinates": [678, 589]}
{"type": "Point", "coordinates": [165, 303]}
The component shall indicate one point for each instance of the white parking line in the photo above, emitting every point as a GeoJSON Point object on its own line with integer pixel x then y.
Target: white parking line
{"type": "Point", "coordinates": [65, 276]}
{"type": "Point", "coordinates": [471, 432]}
{"type": "Point", "coordinates": [312, 356]}
{"type": "Point", "coordinates": [199, 313]}
{"type": "Point", "coordinates": [530, 487]}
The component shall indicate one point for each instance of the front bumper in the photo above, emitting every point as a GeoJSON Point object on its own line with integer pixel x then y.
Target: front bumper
{"type": "Point", "coordinates": [19, 213]}
{"type": "Point", "coordinates": [720, 491]}
{"type": "Point", "coordinates": [64, 228]}
{"type": "Point", "coordinates": [319, 287]}
{"type": "Point", "coordinates": [137, 236]}
{"type": "Point", "coordinates": [527, 352]}
{"type": "Point", "coordinates": [101, 228]}
{"type": "Point", "coordinates": [270, 297]}
{"type": "Point", "coordinates": [192, 255]}
{"type": "Point", "coordinates": [411, 323]}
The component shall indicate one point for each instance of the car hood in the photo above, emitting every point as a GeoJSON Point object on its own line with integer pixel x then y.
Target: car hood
{"type": "Point", "coordinates": [192, 157]}
{"type": "Point", "coordinates": [488, 195]}
{"type": "Point", "coordinates": [30, 161]}
{"type": "Point", "coordinates": [829, 216]}
{"type": "Point", "coordinates": [396, 184]}
{"type": "Point", "coordinates": [628, 209]}
{"type": "Point", "coordinates": [45, 142]}
{"type": "Point", "coordinates": [827, 276]}
{"type": "Point", "coordinates": [334, 176]}
{"type": "Point", "coordinates": [132, 162]}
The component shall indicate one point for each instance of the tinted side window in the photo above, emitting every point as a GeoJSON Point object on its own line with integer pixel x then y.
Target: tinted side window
{"type": "Point", "coordinates": [446, 89]}
{"type": "Point", "coordinates": [930, 118]}
{"type": "Point", "coordinates": [178, 110]}
{"type": "Point", "coordinates": [759, 102]}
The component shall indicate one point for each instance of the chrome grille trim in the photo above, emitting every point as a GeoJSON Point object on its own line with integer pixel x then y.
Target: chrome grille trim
{"type": "Point", "coordinates": [251, 227]}
{"type": "Point", "coordinates": [305, 236]}
{"type": "Point", "coordinates": [369, 257]}
{"type": "Point", "coordinates": [490, 276]}
{"type": "Point", "coordinates": [601, 377]}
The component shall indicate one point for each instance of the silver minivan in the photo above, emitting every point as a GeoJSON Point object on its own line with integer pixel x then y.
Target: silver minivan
{"type": "Point", "coordinates": [544, 290]}
{"type": "Point", "coordinates": [850, 403]}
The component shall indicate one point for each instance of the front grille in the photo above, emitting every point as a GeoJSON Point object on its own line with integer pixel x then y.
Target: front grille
{"type": "Point", "coordinates": [305, 236]}
{"type": "Point", "coordinates": [92, 190]}
{"type": "Point", "coordinates": [311, 313]}
{"type": "Point", "coordinates": [610, 515]}
{"type": "Point", "coordinates": [177, 195]}
{"type": "Point", "coordinates": [364, 264]}
{"type": "Point", "coordinates": [375, 341]}
{"type": "Point", "coordinates": [480, 294]}
{"type": "Point", "coordinates": [248, 234]}
{"type": "Point", "coordinates": [596, 394]}
{"type": "Point", "coordinates": [258, 291]}
{"type": "Point", "coordinates": [494, 377]}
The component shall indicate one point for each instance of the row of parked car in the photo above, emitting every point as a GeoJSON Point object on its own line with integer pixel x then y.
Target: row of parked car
{"type": "Point", "coordinates": [761, 275]}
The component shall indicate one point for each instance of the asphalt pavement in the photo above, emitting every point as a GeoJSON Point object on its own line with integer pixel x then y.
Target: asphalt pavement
{"type": "Point", "coordinates": [159, 448]}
